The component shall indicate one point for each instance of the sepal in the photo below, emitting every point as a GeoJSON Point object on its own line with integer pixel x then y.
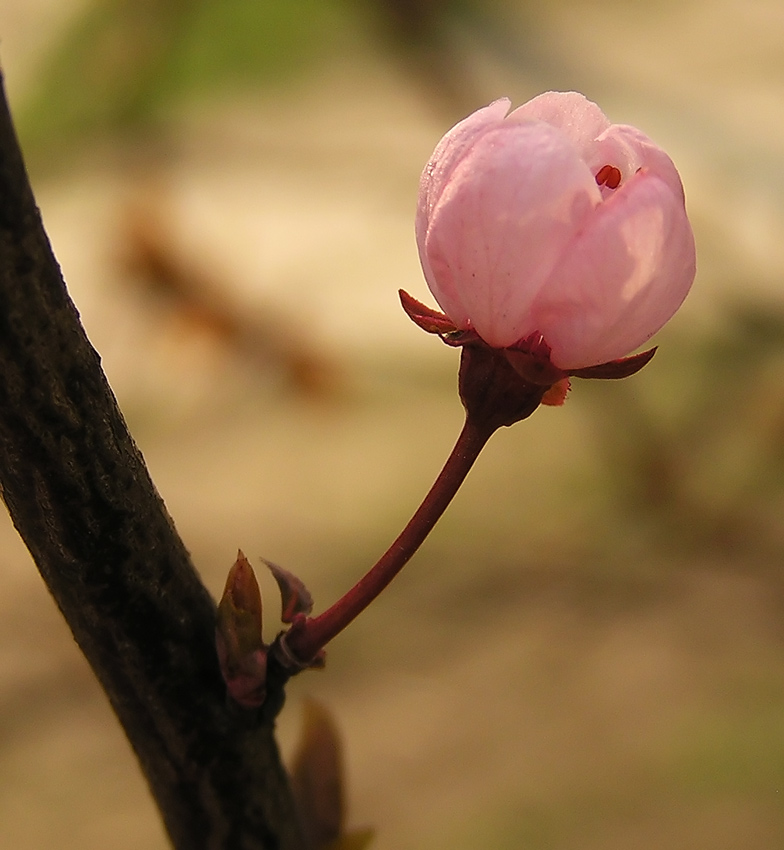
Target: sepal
{"type": "Point", "coordinates": [615, 369]}
{"type": "Point", "coordinates": [433, 322]}
{"type": "Point", "coordinates": [530, 358]}
{"type": "Point", "coordinates": [425, 317]}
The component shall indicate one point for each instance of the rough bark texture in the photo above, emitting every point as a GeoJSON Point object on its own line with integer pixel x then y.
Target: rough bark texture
{"type": "Point", "coordinates": [80, 496]}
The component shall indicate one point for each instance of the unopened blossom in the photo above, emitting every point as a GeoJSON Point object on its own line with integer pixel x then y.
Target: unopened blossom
{"type": "Point", "coordinates": [551, 223]}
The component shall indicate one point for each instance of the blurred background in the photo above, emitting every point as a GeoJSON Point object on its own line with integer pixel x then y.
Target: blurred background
{"type": "Point", "coordinates": [589, 650]}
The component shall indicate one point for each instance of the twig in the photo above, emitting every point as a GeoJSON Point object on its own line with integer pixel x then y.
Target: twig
{"type": "Point", "coordinates": [81, 498]}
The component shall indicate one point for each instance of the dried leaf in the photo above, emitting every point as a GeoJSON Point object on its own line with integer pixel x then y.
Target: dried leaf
{"type": "Point", "coordinates": [556, 395]}
{"type": "Point", "coordinates": [359, 839]}
{"type": "Point", "coordinates": [317, 777]}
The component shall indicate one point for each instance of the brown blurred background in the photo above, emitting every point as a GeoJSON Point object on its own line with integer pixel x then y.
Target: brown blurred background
{"type": "Point", "coordinates": [589, 651]}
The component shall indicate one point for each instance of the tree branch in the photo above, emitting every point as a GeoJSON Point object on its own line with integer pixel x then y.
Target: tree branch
{"type": "Point", "coordinates": [81, 498]}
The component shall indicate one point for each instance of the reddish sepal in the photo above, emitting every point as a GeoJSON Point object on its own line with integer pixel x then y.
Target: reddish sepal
{"type": "Point", "coordinates": [425, 317]}
{"type": "Point", "coordinates": [434, 322]}
{"type": "Point", "coordinates": [622, 368]}
{"type": "Point", "coordinates": [530, 358]}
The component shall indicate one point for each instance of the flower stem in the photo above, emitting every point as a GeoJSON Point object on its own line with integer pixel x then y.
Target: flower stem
{"type": "Point", "coordinates": [305, 639]}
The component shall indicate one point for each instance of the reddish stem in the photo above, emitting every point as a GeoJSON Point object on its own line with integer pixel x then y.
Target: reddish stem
{"type": "Point", "coordinates": [305, 639]}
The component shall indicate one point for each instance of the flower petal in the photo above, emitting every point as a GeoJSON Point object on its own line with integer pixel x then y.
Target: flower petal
{"type": "Point", "coordinates": [623, 277]}
{"type": "Point", "coordinates": [511, 206]}
{"type": "Point", "coordinates": [629, 150]}
{"type": "Point", "coordinates": [451, 149]}
{"type": "Point", "coordinates": [578, 118]}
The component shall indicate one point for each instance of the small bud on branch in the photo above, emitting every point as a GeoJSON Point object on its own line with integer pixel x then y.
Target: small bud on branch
{"type": "Point", "coordinates": [241, 651]}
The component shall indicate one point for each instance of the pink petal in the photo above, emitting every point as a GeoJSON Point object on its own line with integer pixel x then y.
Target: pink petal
{"type": "Point", "coordinates": [504, 218]}
{"type": "Point", "coordinates": [451, 149]}
{"type": "Point", "coordinates": [623, 277]}
{"type": "Point", "coordinates": [629, 150]}
{"type": "Point", "coordinates": [449, 152]}
{"type": "Point", "coordinates": [578, 118]}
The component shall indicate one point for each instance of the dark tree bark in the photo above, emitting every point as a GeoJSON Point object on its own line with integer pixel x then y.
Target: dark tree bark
{"type": "Point", "coordinates": [81, 498]}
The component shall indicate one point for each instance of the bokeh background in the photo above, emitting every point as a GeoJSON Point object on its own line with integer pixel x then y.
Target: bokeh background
{"type": "Point", "coordinates": [589, 651]}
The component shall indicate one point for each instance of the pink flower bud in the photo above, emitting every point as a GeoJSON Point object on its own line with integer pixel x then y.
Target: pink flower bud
{"type": "Point", "coordinates": [551, 221]}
